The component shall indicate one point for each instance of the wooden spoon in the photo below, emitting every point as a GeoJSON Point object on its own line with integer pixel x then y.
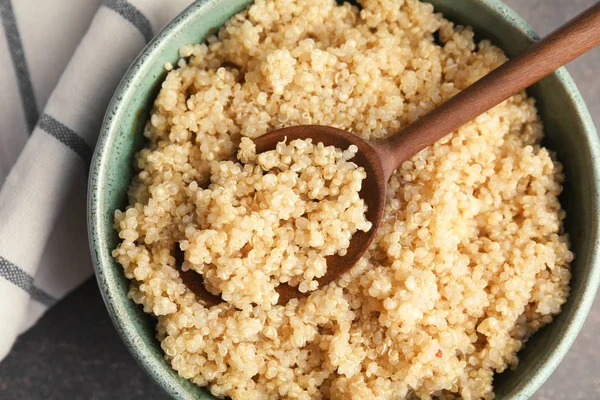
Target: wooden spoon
{"type": "Point", "coordinates": [380, 159]}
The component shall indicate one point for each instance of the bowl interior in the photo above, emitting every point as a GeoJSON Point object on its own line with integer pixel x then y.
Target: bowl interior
{"type": "Point", "coordinates": [569, 132]}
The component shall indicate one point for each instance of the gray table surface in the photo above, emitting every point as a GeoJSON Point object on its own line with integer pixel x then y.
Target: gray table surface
{"type": "Point", "coordinates": [74, 352]}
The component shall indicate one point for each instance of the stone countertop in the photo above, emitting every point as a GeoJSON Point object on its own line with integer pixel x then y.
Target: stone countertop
{"type": "Point", "coordinates": [75, 353]}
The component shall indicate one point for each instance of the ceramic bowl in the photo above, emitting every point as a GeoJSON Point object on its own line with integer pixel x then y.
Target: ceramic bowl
{"type": "Point", "coordinates": [569, 132]}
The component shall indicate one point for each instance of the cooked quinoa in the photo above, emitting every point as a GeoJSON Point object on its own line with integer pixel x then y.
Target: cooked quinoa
{"type": "Point", "coordinates": [469, 261]}
{"type": "Point", "coordinates": [273, 220]}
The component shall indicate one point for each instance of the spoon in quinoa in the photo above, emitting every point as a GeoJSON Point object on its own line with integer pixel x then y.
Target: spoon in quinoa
{"type": "Point", "coordinates": [381, 158]}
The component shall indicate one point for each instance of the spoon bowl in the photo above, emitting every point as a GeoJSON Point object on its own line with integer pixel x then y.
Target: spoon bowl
{"type": "Point", "coordinates": [373, 191]}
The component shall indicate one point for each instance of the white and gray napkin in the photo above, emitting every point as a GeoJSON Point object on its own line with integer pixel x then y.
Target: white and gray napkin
{"type": "Point", "coordinates": [61, 61]}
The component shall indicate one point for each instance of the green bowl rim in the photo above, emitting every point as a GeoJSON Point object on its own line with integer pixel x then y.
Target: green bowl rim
{"type": "Point", "coordinates": [99, 170]}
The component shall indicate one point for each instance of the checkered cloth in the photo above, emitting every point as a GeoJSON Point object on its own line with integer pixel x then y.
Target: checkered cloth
{"type": "Point", "coordinates": [61, 62]}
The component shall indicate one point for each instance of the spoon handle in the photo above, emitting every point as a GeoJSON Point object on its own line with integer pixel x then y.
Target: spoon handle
{"type": "Point", "coordinates": [568, 42]}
